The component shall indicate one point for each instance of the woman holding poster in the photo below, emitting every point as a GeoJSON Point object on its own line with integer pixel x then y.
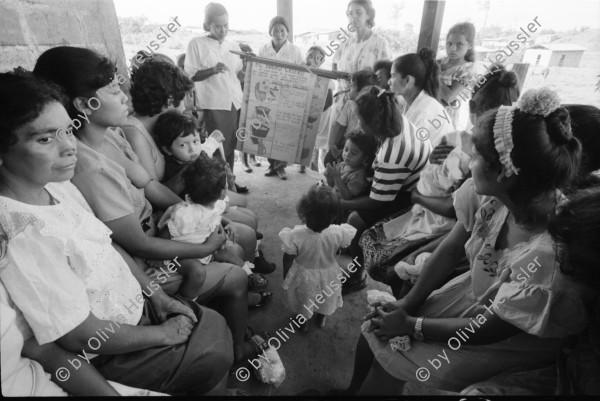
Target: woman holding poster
{"type": "Point", "coordinates": [217, 73]}
{"type": "Point", "coordinates": [279, 48]}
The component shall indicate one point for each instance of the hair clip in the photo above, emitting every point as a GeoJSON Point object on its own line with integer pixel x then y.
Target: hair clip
{"type": "Point", "coordinates": [503, 140]}
{"type": "Point", "coordinates": [381, 92]}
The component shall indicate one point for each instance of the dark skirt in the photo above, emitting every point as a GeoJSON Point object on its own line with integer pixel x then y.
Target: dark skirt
{"type": "Point", "coordinates": [227, 122]}
{"type": "Point", "coordinates": [195, 367]}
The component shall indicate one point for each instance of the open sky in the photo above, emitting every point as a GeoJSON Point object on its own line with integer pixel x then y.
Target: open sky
{"type": "Point", "coordinates": [330, 14]}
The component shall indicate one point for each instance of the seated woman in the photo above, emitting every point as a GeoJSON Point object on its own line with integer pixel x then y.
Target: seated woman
{"type": "Point", "coordinates": [73, 285]}
{"type": "Point", "coordinates": [416, 76]}
{"type": "Point", "coordinates": [114, 184]}
{"type": "Point", "coordinates": [510, 311]}
{"type": "Point", "coordinates": [423, 228]}
{"type": "Point", "coordinates": [28, 368]}
{"type": "Point", "coordinates": [177, 135]}
{"type": "Point", "coordinates": [578, 254]}
{"type": "Point", "coordinates": [397, 166]}
{"type": "Point", "coordinates": [156, 87]}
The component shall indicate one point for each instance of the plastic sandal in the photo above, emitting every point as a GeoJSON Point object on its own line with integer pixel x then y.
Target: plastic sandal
{"type": "Point", "coordinates": [256, 282]}
{"type": "Point", "coordinates": [266, 297]}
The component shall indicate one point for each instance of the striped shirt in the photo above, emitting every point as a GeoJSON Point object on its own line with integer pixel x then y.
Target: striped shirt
{"type": "Point", "coordinates": [399, 163]}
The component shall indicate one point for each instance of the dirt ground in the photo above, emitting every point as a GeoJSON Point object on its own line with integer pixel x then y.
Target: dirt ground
{"type": "Point", "coordinates": [321, 359]}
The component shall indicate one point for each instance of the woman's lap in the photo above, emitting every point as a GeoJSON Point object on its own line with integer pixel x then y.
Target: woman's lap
{"type": "Point", "coordinates": [381, 254]}
{"type": "Point", "coordinates": [457, 369]}
{"type": "Point", "coordinates": [196, 366]}
{"type": "Point", "coordinates": [370, 217]}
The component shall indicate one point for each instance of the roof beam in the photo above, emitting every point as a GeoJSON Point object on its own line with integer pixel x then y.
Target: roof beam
{"type": "Point", "coordinates": [285, 9]}
{"type": "Point", "coordinates": [431, 24]}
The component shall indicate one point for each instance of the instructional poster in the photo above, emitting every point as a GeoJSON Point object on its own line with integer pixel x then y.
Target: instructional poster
{"type": "Point", "coordinates": [281, 109]}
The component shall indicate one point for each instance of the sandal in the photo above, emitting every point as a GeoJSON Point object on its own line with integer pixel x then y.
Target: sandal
{"type": "Point", "coordinates": [256, 282]}
{"type": "Point", "coordinates": [241, 190]}
{"type": "Point", "coordinates": [266, 297]}
{"type": "Point", "coordinates": [352, 286]}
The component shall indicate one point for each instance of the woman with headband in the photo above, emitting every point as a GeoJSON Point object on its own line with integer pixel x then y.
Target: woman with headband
{"type": "Point", "coordinates": [511, 311]}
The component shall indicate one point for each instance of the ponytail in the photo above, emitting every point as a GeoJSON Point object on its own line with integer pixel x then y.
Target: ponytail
{"type": "Point", "coordinates": [380, 111]}
{"type": "Point", "coordinates": [431, 79]}
{"type": "Point", "coordinates": [423, 67]}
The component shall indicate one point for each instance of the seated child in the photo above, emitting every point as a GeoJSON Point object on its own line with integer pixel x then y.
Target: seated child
{"type": "Point", "coordinates": [352, 176]}
{"type": "Point", "coordinates": [195, 219]}
{"type": "Point", "coordinates": [440, 180]}
{"type": "Point", "coordinates": [178, 138]}
{"type": "Point", "coordinates": [310, 268]}
{"type": "Point", "coordinates": [348, 120]}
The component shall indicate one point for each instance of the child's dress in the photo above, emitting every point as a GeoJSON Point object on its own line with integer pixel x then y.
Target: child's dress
{"type": "Point", "coordinates": [192, 223]}
{"type": "Point", "coordinates": [315, 270]}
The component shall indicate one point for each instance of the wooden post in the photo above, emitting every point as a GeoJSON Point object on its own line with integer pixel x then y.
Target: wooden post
{"type": "Point", "coordinates": [285, 9]}
{"type": "Point", "coordinates": [431, 24]}
{"type": "Point", "coordinates": [521, 69]}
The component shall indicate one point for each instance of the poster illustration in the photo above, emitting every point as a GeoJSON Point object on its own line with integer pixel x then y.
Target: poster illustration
{"type": "Point", "coordinates": [281, 109]}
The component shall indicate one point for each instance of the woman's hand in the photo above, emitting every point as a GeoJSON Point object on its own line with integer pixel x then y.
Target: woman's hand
{"type": "Point", "coordinates": [165, 305]}
{"type": "Point", "coordinates": [177, 330]}
{"type": "Point", "coordinates": [387, 325]}
{"type": "Point", "coordinates": [220, 67]}
{"type": "Point", "coordinates": [440, 152]}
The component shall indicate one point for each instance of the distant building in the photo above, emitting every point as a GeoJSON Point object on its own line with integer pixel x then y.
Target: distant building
{"type": "Point", "coordinates": [554, 55]}
{"type": "Point", "coordinates": [481, 53]}
{"type": "Point", "coordinates": [308, 39]}
{"type": "Point", "coordinates": [496, 43]}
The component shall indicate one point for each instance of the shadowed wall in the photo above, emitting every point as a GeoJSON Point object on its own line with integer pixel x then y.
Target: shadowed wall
{"type": "Point", "coordinates": [30, 27]}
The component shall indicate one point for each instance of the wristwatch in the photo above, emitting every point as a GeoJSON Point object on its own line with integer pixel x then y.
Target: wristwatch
{"type": "Point", "coordinates": [418, 332]}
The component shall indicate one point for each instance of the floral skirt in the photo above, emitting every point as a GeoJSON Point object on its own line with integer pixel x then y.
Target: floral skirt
{"type": "Point", "coordinates": [381, 254]}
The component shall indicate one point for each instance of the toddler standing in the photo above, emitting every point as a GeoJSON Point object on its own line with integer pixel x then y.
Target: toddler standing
{"type": "Point", "coordinates": [310, 268]}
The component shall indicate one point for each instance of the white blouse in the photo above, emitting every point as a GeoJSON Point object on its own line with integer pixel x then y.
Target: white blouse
{"type": "Point", "coordinates": [222, 90]}
{"type": "Point", "coordinates": [355, 56]}
{"type": "Point", "coordinates": [429, 116]}
{"type": "Point", "coordinates": [288, 52]}
{"type": "Point", "coordinates": [62, 266]}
